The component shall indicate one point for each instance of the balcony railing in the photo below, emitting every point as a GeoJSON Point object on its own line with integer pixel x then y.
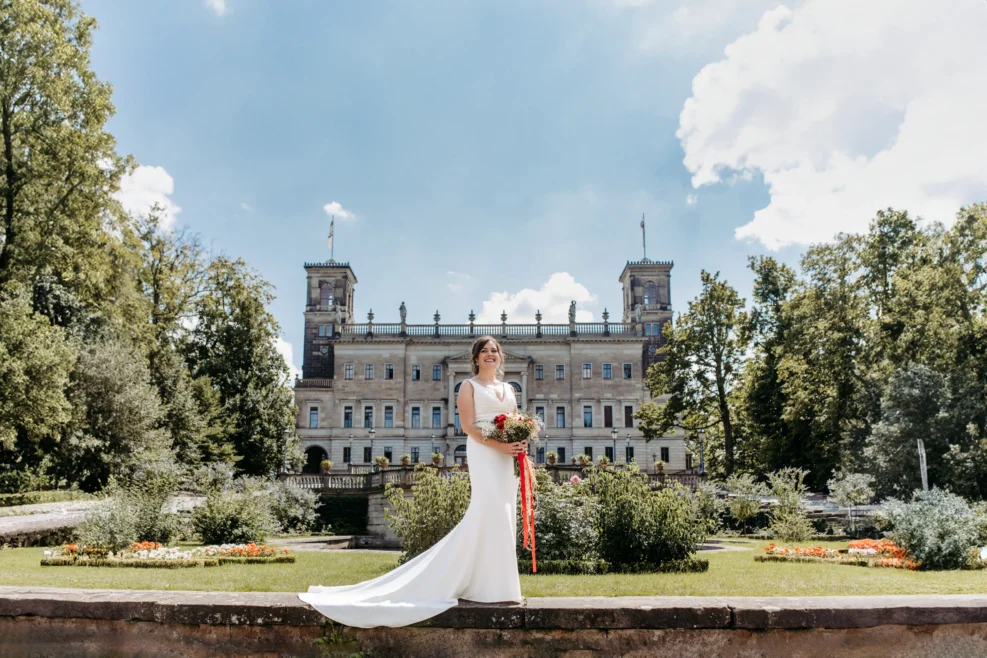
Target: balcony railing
{"type": "Point", "coordinates": [467, 330]}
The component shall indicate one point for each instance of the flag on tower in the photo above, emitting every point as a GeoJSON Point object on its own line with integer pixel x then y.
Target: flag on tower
{"type": "Point", "coordinates": [331, 225]}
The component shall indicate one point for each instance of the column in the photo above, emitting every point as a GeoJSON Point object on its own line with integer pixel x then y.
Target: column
{"type": "Point", "coordinates": [451, 411]}
{"type": "Point", "coordinates": [524, 390]}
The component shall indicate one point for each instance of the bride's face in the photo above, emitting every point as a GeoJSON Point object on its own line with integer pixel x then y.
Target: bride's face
{"type": "Point", "coordinates": [489, 358]}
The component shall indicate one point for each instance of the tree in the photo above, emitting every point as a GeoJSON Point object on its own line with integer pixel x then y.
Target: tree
{"type": "Point", "coordinates": [702, 362]}
{"type": "Point", "coordinates": [58, 166]}
{"type": "Point", "coordinates": [35, 364]}
{"type": "Point", "coordinates": [789, 519]}
{"type": "Point", "coordinates": [233, 343]}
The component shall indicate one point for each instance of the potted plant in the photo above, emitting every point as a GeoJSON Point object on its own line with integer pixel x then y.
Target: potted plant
{"type": "Point", "coordinates": [551, 457]}
{"type": "Point", "coordinates": [573, 460]}
{"type": "Point", "coordinates": [382, 462]}
{"type": "Point", "coordinates": [603, 461]}
{"type": "Point", "coordinates": [406, 460]}
{"type": "Point", "coordinates": [326, 465]}
{"type": "Point", "coordinates": [438, 458]}
{"type": "Point", "coordinates": [659, 466]}
{"type": "Point", "coordinates": [584, 460]}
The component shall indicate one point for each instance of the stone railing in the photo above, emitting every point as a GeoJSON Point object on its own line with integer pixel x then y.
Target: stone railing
{"type": "Point", "coordinates": [502, 330]}
{"type": "Point", "coordinates": [366, 482]}
{"type": "Point", "coordinates": [59, 623]}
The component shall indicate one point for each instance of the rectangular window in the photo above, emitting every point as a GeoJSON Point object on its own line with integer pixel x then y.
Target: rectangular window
{"type": "Point", "coordinates": [539, 372]}
{"type": "Point", "coordinates": [540, 455]}
{"type": "Point", "coordinates": [456, 418]}
{"type": "Point", "coordinates": [347, 454]}
{"type": "Point", "coordinates": [540, 412]}
{"type": "Point", "coordinates": [609, 452]}
{"type": "Point", "coordinates": [607, 371]}
{"type": "Point", "coordinates": [561, 452]}
{"type": "Point", "coordinates": [608, 416]}
{"type": "Point", "coordinates": [388, 416]}
{"type": "Point", "coordinates": [436, 373]}
{"type": "Point", "coordinates": [313, 417]}
{"type": "Point", "coordinates": [628, 416]}
{"type": "Point", "coordinates": [347, 416]}
{"type": "Point", "coordinates": [368, 417]}
{"type": "Point", "coordinates": [587, 370]}
{"type": "Point", "coordinates": [587, 416]}
{"type": "Point", "coordinates": [560, 372]}
{"type": "Point", "coordinates": [416, 418]}
{"type": "Point", "coordinates": [388, 371]}
{"type": "Point", "coordinates": [436, 417]}
{"type": "Point", "coordinates": [348, 372]}
{"type": "Point", "coordinates": [627, 371]}
{"type": "Point", "coordinates": [664, 455]}
{"type": "Point", "coordinates": [415, 456]}
{"type": "Point", "coordinates": [588, 451]}
{"type": "Point", "coordinates": [389, 453]}
{"type": "Point", "coordinates": [368, 371]}
{"type": "Point", "coordinates": [629, 457]}
{"type": "Point", "coordinates": [688, 462]}
{"type": "Point", "coordinates": [322, 330]}
{"type": "Point", "coordinates": [416, 373]}
{"type": "Point", "coordinates": [367, 455]}
{"type": "Point", "coordinates": [560, 416]}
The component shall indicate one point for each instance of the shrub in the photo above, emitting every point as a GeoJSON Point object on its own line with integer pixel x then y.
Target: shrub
{"type": "Point", "coordinates": [789, 519]}
{"type": "Point", "coordinates": [147, 492]}
{"type": "Point", "coordinates": [234, 517]}
{"type": "Point", "coordinates": [209, 477]}
{"type": "Point", "coordinates": [938, 528]}
{"type": "Point", "coordinates": [292, 508]}
{"type": "Point", "coordinates": [851, 490]}
{"type": "Point", "coordinates": [565, 522]}
{"type": "Point", "coordinates": [709, 506]}
{"type": "Point", "coordinates": [639, 525]}
{"type": "Point", "coordinates": [745, 498]}
{"type": "Point", "coordinates": [437, 504]}
{"type": "Point", "coordinates": [111, 524]}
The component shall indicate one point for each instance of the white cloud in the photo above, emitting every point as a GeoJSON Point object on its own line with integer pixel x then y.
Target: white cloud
{"type": "Point", "coordinates": [287, 352]}
{"type": "Point", "coordinates": [844, 117]}
{"type": "Point", "coordinates": [246, 206]}
{"type": "Point", "coordinates": [458, 281]}
{"type": "Point", "coordinates": [691, 199]}
{"type": "Point", "coordinates": [335, 208]}
{"type": "Point", "coordinates": [218, 6]}
{"type": "Point", "coordinates": [697, 25]}
{"type": "Point", "coordinates": [552, 299]}
{"type": "Point", "coordinates": [140, 190]}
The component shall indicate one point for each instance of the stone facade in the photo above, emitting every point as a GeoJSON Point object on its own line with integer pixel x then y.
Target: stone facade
{"type": "Point", "coordinates": [401, 380]}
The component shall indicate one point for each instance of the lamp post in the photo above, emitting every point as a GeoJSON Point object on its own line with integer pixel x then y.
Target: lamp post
{"type": "Point", "coordinates": [702, 451]}
{"type": "Point", "coordinates": [433, 446]}
{"type": "Point", "coordinates": [654, 462]}
{"type": "Point", "coordinates": [349, 466]}
{"type": "Point", "coordinates": [613, 437]}
{"type": "Point", "coordinates": [627, 452]}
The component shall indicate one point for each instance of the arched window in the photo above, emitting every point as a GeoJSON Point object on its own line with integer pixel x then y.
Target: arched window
{"type": "Point", "coordinates": [460, 455]}
{"type": "Point", "coordinates": [650, 293]}
{"type": "Point", "coordinates": [517, 393]}
{"type": "Point", "coordinates": [325, 295]}
{"type": "Point", "coordinates": [313, 459]}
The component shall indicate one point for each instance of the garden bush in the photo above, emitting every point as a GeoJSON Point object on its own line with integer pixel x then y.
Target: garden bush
{"type": "Point", "coordinates": [293, 508]}
{"type": "Point", "coordinates": [639, 525]}
{"type": "Point", "coordinates": [112, 524]}
{"type": "Point", "coordinates": [565, 522]}
{"type": "Point", "coordinates": [789, 519]}
{"type": "Point", "coordinates": [745, 498]}
{"type": "Point", "coordinates": [235, 517]}
{"type": "Point", "coordinates": [938, 529]}
{"type": "Point", "coordinates": [436, 506]}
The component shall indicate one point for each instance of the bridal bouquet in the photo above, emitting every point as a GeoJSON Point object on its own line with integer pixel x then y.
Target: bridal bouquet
{"type": "Point", "coordinates": [515, 428]}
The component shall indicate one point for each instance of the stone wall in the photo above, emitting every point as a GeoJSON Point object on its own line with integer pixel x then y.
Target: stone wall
{"type": "Point", "coordinates": [87, 623]}
{"type": "Point", "coordinates": [379, 534]}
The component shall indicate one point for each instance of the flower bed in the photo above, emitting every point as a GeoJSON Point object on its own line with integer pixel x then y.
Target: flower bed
{"type": "Point", "coordinates": [151, 555]}
{"type": "Point", "coordinates": [860, 553]}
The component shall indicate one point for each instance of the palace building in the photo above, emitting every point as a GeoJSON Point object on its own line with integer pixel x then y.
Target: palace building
{"type": "Point", "coordinates": [374, 389]}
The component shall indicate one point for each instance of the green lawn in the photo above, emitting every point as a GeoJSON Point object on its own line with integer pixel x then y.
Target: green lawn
{"type": "Point", "coordinates": [730, 574]}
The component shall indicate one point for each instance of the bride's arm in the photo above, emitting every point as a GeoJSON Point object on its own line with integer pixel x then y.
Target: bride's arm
{"type": "Point", "coordinates": [467, 419]}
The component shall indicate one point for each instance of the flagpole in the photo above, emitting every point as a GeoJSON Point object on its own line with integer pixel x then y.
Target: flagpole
{"type": "Point", "coordinates": [644, 243]}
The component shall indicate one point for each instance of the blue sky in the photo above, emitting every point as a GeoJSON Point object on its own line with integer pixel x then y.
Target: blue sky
{"type": "Point", "coordinates": [476, 150]}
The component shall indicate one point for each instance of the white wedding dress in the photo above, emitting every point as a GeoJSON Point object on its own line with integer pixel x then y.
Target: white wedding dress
{"type": "Point", "coordinates": [476, 561]}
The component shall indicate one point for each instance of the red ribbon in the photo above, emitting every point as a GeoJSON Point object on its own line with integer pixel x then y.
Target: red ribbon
{"type": "Point", "coordinates": [527, 506]}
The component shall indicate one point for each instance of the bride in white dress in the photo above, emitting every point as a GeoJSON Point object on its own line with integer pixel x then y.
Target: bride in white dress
{"type": "Point", "coordinates": [477, 560]}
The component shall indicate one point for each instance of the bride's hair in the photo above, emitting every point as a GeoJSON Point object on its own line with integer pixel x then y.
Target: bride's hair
{"type": "Point", "coordinates": [478, 345]}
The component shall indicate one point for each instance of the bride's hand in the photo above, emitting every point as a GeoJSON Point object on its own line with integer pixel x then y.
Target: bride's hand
{"type": "Point", "coordinates": [515, 449]}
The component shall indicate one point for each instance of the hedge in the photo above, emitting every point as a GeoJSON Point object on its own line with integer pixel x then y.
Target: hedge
{"type": "Point", "coordinates": [36, 497]}
{"type": "Point", "coordinates": [164, 564]}
{"type": "Point", "coordinates": [582, 567]}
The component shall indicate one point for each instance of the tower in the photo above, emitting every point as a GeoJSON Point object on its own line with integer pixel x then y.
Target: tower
{"type": "Point", "coordinates": [329, 303]}
{"type": "Point", "coordinates": [648, 302]}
